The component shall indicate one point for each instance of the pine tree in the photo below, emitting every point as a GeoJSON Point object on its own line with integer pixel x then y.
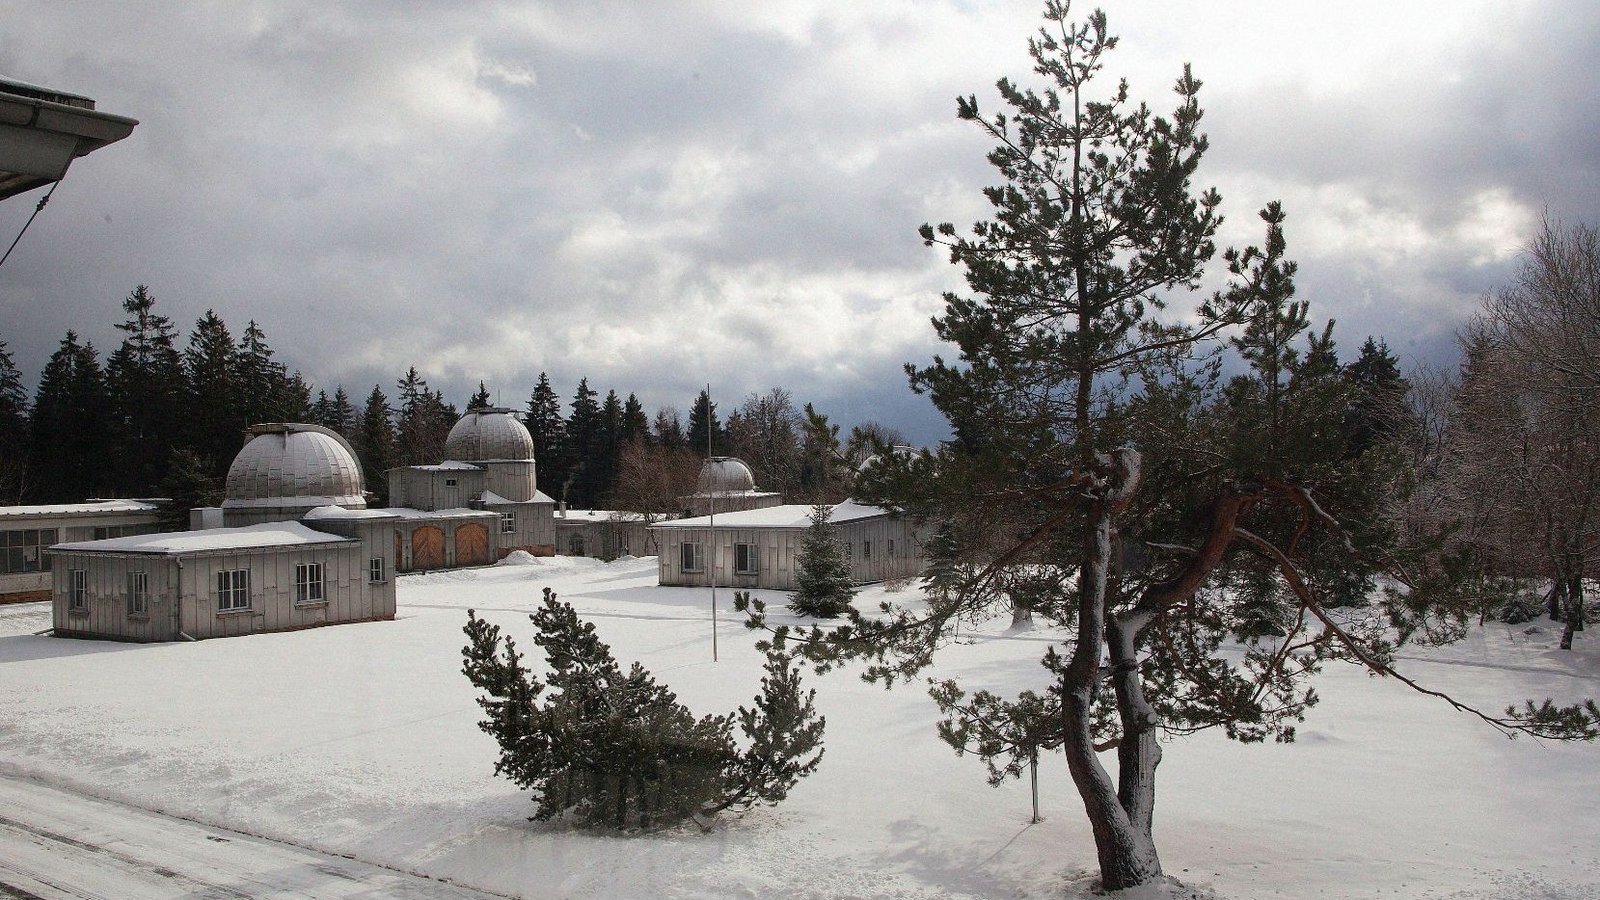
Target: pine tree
{"type": "Point", "coordinates": [266, 394]}
{"type": "Point", "coordinates": [821, 571]}
{"type": "Point", "coordinates": [635, 427]}
{"type": "Point", "coordinates": [583, 439]}
{"type": "Point", "coordinates": [188, 484]}
{"type": "Point", "coordinates": [480, 399]}
{"type": "Point", "coordinates": [668, 429]}
{"type": "Point", "coordinates": [216, 412]}
{"type": "Point", "coordinates": [375, 443]}
{"type": "Point", "coordinates": [422, 422]}
{"type": "Point", "coordinates": [608, 450]}
{"type": "Point", "coordinates": [144, 377]}
{"type": "Point", "coordinates": [70, 441]}
{"type": "Point", "coordinates": [342, 413]}
{"type": "Point", "coordinates": [614, 749]}
{"type": "Point", "coordinates": [322, 409]}
{"type": "Point", "coordinates": [13, 430]}
{"type": "Point", "coordinates": [549, 432]}
{"type": "Point", "coordinates": [703, 423]}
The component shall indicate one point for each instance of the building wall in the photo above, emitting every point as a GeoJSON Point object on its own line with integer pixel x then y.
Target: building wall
{"type": "Point", "coordinates": [431, 489]}
{"type": "Point", "coordinates": [513, 480]}
{"type": "Point", "coordinates": [778, 549]}
{"type": "Point", "coordinates": [106, 604]}
{"type": "Point", "coordinates": [700, 504]}
{"type": "Point", "coordinates": [184, 593]}
{"type": "Point", "coordinates": [535, 528]}
{"type": "Point", "coordinates": [404, 537]}
{"type": "Point", "coordinates": [604, 538]}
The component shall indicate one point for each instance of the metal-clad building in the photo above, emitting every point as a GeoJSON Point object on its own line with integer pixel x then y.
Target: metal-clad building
{"type": "Point", "coordinates": [27, 533]}
{"type": "Point", "coordinates": [726, 484]}
{"type": "Point", "coordinates": [605, 533]}
{"type": "Point", "coordinates": [759, 548]}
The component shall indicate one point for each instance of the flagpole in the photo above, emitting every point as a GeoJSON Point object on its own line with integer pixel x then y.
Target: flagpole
{"type": "Point", "coordinates": [711, 495]}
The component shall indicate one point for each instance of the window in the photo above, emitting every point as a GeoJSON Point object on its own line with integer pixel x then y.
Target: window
{"type": "Point", "coordinates": [575, 545]}
{"type": "Point", "coordinates": [23, 550]}
{"type": "Point", "coordinates": [449, 482]}
{"type": "Point", "coordinates": [375, 570]}
{"type": "Point", "coordinates": [746, 559]}
{"type": "Point", "coordinates": [692, 557]}
{"type": "Point", "coordinates": [101, 532]}
{"type": "Point", "coordinates": [308, 583]}
{"type": "Point", "coordinates": [508, 523]}
{"type": "Point", "coordinates": [891, 548]}
{"type": "Point", "coordinates": [138, 593]}
{"type": "Point", "coordinates": [233, 590]}
{"type": "Point", "coordinates": [79, 598]}
{"type": "Point", "coordinates": [866, 550]}
{"type": "Point", "coordinates": [849, 551]}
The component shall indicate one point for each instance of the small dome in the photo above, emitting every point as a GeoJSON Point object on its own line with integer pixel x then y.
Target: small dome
{"type": "Point", "coordinates": [726, 475]}
{"type": "Point", "coordinates": [488, 434]}
{"type": "Point", "coordinates": [286, 464]}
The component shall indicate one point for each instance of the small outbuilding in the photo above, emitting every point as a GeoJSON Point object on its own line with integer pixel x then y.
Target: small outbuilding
{"type": "Point", "coordinates": [727, 485]}
{"type": "Point", "coordinates": [759, 548]}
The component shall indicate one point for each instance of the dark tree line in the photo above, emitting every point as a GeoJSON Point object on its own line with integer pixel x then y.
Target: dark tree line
{"type": "Point", "coordinates": [161, 416]}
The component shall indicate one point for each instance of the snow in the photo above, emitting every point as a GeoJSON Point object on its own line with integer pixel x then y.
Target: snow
{"type": "Point", "coordinates": [367, 745]}
{"type": "Point", "coordinates": [324, 513]}
{"type": "Point", "coordinates": [78, 509]}
{"type": "Point", "coordinates": [791, 515]}
{"type": "Point", "coordinates": [267, 534]}
{"type": "Point", "coordinates": [492, 499]}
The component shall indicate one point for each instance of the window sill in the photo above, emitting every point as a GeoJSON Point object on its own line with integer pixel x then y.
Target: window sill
{"type": "Point", "coordinates": [310, 604]}
{"type": "Point", "coordinates": [138, 617]}
{"type": "Point", "coordinates": [235, 612]}
{"type": "Point", "coordinates": [78, 611]}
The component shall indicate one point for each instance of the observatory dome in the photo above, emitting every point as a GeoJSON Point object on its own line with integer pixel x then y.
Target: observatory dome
{"type": "Point", "coordinates": [726, 475]}
{"type": "Point", "coordinates": [489, 434]}
{"type": "Point", "coordinates": [293, 466]}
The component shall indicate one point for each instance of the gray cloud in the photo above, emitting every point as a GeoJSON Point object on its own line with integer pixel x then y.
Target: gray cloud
{"type": "Point", "coordinates": [660, 195]}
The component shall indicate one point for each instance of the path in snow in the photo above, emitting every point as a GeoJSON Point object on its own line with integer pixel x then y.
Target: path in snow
{"type": "Point", "coordinates": [56, 843]}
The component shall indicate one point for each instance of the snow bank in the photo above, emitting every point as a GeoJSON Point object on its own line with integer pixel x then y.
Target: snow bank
{"type": "Point", "coordinates": [368, 746]}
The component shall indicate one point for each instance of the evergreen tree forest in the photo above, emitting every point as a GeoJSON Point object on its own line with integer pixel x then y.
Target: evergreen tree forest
{"type": "Point", "coordinates": [163, 414]}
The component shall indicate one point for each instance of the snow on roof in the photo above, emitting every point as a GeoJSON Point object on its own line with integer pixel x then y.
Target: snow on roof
{"type": "Point", "coordinates": [490, 497]}
{"type": "Point", "coordinates": [90, 508]}
{"type": "Point", "coordinates": [322, 513]}
{"type": "Point", "coordinates": [448, 465]}
{"type": "Point", "coordinates": [790, 515]}
{"type": "Point", "coordinates": [248, 537]}
{"type": "Point", "coordinates": [460, 512]}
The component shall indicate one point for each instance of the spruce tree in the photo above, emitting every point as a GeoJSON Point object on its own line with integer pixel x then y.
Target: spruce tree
{"type": "Point", "coordinates": [375, 443]}
{"type": "Point", "coordinates": [703, 423]}
{"type": "Point", "coordinates": [549, 434]}
{"type": "Point", "coordinates": [635, 426]}
{"type": "Point", "coordinates": [668, 428]}
{"type": "Point", "coordinates": [144, 377]}
{"type": "Point", "coordinates": [610, 748]}
{"type": "Point", "coordinates": [70, 441]}
{"type": "Point", "coordinates": [13, 430]}
{"type": "Point", "coordinates": [342, 413]}
{"type": "Point", "coordinates": [480, 398]}
{"type": "Point", "coordinates": [583, 441]}
{"type": "Point", "coordinates": [216, 412]}
{"type": "Point", "coordinates": [821, 571]}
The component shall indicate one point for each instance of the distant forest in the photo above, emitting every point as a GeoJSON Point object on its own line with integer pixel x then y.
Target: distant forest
{"type": "Point", "coordinates": [162, 419]}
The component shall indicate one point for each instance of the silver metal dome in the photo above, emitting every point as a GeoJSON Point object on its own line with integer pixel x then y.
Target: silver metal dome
{"type": "Point", "coordinates": [726, 475]}
{"type": "Point", "coordinates": [290, 465]}
{"type": "Point", "coordinates": [489, 434]}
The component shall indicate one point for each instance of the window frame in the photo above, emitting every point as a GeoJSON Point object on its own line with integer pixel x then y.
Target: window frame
{"type": "Point", "coordinates": [138, 594]}
{"type": "Point", "coordinates": [233, 586]}
{"type": "Point", "coordinates": [78, 590]}
{"type": "Point", "coordinates": [692, 557]}
{"type": "Point", "coordinates": [890, 552]}
{"type": "Point", "coordinates": [310, 588]}
{"type": "Point", "coordinates": [16, 544]}
{"type": "Point", "coordinates": [376, 570]}
{"type": "Point", "coordinates": [866, 550]}
{"type": "Point", "coordinates": [508, 522]}
{"type": "Point", "coordinates": [751, 563]}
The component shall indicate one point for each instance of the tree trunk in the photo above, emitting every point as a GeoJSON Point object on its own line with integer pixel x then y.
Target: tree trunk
{"type": "Point", "coordinates": [1572, 615]}
{"type": "Point", "coordinates": [1118, 816]}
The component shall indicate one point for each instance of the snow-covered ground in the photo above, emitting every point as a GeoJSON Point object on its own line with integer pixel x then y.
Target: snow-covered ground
{"type": "Point", "coordinates": [361, 740]}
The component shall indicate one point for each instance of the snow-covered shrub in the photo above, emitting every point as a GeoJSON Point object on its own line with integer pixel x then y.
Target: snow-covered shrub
{"type": "Point", "coordinates": [614, 749]}
{"type": "Point", "coordinates": [821, 571]}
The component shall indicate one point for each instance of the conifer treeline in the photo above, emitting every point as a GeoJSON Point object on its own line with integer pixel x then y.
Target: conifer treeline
{"type": "Point", "coordinates": [164, 418]}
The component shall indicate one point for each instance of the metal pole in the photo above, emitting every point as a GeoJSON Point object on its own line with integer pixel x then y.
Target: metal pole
{"type": "Point", "coordinates": [1033, 767]}
{"type": "Point", "coordinates": [711, 564]}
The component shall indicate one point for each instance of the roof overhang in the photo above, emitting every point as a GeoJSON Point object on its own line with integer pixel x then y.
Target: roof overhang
{"type": "Point", "coordinates": [42, 131]}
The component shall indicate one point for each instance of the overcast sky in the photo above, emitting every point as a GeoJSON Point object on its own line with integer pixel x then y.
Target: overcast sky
{"type": "Point", "coordinates": [657, 195]}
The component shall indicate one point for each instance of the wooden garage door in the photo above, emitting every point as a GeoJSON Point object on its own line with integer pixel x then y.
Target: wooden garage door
{"type": "Point", "coordinates": [472, 545]}
{"type": "Point", "coordinates": [427, 548]}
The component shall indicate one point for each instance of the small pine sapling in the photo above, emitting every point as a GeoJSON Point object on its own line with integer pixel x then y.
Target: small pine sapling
{"type": "Point", "coordinates": [613, 749]}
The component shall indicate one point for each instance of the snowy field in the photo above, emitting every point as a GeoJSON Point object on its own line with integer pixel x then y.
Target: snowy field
{"type": "Point", "coordinates": [361, 740]}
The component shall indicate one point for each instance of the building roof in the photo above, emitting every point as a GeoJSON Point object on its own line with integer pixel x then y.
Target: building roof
{"type": "Point", "coordinates": [490, 498]}
{"type": "Point", "coordinates": [489, 434]}
{"type": "Point", "coordinates": [88, 508]}
{"type": "Point", "coordinates": [268, 535]}
{"type": "Point", "coordinates": [789, 515]}
{"type": "Point", "coordinates": [294, 465]}
{"type": "Point", "coordinates": [726, 475]}
{"type": "Point", "coordinates": [42, 130]}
